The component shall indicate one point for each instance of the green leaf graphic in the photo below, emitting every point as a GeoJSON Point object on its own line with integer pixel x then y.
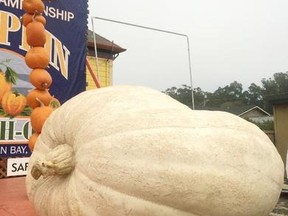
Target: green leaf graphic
{"type": "Point", "coordinates": [11, 75]}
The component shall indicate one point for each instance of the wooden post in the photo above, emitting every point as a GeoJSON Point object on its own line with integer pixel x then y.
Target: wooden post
{"type": "Point", "coordinates": [92, 74]}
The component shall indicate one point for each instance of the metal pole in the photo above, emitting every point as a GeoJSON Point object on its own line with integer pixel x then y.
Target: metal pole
{"type": "Point", "coordinates": [190, 72]}
{"type": "Point", "coordinates": [164, 31]}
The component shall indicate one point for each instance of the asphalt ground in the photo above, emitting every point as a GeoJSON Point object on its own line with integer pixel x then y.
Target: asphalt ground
{"type": "Point", "coordinates": [281, 208]}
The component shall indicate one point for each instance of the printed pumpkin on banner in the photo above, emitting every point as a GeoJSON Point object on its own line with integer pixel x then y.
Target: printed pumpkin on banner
{"type": "Point", "coordinates": [12, 103]}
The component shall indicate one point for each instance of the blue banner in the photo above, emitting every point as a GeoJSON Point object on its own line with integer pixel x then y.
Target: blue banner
{"type": "Point", "coordinates": [14, 150]}
{"type": "Point", "coordinates": [66, 31]}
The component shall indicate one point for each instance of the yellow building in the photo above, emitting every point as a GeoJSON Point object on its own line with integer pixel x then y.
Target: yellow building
{"type": "Point", "coordinates": [100, 66]}
{"type": "Point", "coordinates": [280, 110]}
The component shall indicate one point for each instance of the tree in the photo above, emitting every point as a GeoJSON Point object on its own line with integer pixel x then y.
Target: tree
{"type": "Point", "coordinates": [253, 96]}
{"type": "Point", "coordinates": [273, 87]}
{"type": "Point", "coordinates": [184, 95]}
{"type": "Point", "coordinates": [231, 93]}
{"type": "Point", "coordinates": [172, 92]}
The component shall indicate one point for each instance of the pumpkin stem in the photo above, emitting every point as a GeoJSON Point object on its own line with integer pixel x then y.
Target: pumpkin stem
{"type": "Point", "coordinates": [54, 103]}
{"type": "Point", "coordinates": [34, 15]}
{"type": "Point", "coordinates": [59, 161]}
{"type": "Point", "coordinates": [44, 85]}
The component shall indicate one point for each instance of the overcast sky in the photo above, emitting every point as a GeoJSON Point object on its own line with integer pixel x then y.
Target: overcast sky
{"type": "Point", "coordinates": [230, 40]}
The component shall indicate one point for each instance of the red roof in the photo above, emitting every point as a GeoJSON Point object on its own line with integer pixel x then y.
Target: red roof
{"type": "Point", "coordinates": [103, 43]}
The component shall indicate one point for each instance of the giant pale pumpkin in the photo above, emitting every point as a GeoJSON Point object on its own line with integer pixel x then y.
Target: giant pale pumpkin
{"type": "Point", "coordinates": [120, 151]}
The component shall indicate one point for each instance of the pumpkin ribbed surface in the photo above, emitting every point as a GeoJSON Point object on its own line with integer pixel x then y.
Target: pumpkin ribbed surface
{"type": "Point", "coordinates": [138, 152]}
{"type": "Point", "coordinates": [13, 103]}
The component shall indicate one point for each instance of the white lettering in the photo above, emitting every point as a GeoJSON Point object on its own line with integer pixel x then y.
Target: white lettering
{"type": "Point", "coordinates": [49, 11]}
{"type": "Point", "coordinates": [17, 150]}
{"type": "Point", "coordinates": [3, 150]}
{"type": "Point", "coordinates": [70, 16]}
{"type": "Point", "coordinates": [58, 14]}
{"type": "Point", "coordinates": [12, 3]}
{"type": "Point", "coordinates": [4, 2]}
{"type": "Point", "coordinates": [23, 148]}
